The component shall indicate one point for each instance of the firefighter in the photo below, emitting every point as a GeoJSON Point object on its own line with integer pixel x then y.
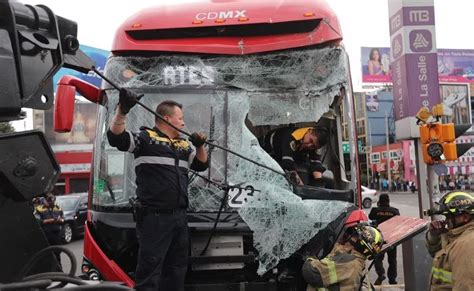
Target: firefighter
{"type": "Point", "coordinates": [296, 150]}
{"type": "Point", "coordinates": [450, 242]}
{"type": "Point", "coordinates": [379, 214]}
{"type": "Point", "coordinates": [51, 218]}
{"type": "Point", "coordinates": [344, 268]}
{"type": "Point", "coordinates": [162, 161]}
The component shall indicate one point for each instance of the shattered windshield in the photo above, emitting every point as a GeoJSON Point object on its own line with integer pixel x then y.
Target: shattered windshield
{"type": "Point", "coordinates": [225, 97]}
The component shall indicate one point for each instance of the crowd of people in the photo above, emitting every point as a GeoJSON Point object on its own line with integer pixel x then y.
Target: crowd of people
{"type": "Point", "coordinates": [396, 185]}
{"type": "Point", "coordinates": [448, 183]}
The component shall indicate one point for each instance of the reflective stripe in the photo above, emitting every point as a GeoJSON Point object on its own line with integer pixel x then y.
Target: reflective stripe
{"type": "Point", "coordinates": [271, 139]}
{"type": "Point", "coordinates": [443, 275]}
{"type": "Point", "coordinates": [159, 161]}
{"type": "Point", "coordinates": [287, 158]}
{"type": "Point", "coordinates": [331, 270]}
{"type": "Point", "coordinates": [454, 194]}
{"type": "Point", "coordinates": [131, 148]}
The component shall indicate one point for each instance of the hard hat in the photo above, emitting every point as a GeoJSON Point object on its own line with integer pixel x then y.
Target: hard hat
{"type": "Point", "coordinates": [369, 242]}
{"type": "Point", "coordinates": [454, 203]}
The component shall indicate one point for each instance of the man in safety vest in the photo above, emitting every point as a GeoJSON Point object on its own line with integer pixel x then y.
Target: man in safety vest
{"type": "Point", "coordinates": [344, 268]}
{"type": "Point", "coordinates": [450, 242]}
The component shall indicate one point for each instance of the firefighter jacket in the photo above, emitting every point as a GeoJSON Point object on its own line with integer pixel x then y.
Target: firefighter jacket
{"type": "Point", "coordinates": [383, 213]}
{"type": "Point", "coordinates": [453, 263]}
{"type": "Point", "coordinates": [283, 145]}
{"type": "Point", "coordinates": [161, 166]}
{"type": "Point", "coordinates": [343, 269]}
{"type": "Point", "coordinates": [42, 213]}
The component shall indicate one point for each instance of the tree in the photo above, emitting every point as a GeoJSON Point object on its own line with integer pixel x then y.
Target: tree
{"type": "Point", "coordinates": [6, 127]}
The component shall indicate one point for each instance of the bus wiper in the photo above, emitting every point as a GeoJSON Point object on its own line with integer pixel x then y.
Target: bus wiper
{"type": "Point", "coordinates": [109, 188]}
{"type": "Point", "coordinates": [188, 134]}
{"type": "Point", "coordinates": [211, 139]}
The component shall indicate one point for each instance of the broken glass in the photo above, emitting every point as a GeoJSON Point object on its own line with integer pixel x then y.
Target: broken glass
{"type": "Point", "coordinates": [218, 94]}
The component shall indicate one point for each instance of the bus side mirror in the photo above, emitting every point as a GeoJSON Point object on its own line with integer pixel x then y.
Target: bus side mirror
{"type": "Point", "coordinates": [65, 98]}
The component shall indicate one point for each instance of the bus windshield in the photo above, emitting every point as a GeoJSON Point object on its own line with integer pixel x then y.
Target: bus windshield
{"type": "Point", "coordinates": [234, 100]}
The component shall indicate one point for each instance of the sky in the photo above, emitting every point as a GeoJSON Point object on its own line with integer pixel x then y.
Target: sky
{"type": "Point", "coordinates": [364, 23]}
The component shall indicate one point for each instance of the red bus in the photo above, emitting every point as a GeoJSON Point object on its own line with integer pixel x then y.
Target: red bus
{"type": "Point", "coordinates": [240, 68]}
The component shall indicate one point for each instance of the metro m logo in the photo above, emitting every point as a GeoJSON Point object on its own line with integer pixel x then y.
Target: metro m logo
{"type": "Point", "coordinates": [221, 15]}
{"type": "Point", "coordinates": [417, 16]}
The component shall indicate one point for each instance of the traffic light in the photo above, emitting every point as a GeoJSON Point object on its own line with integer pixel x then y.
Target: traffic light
{"type": "Point", "coordinates": [439, 142]}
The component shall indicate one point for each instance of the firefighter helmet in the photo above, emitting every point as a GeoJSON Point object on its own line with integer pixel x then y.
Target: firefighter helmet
{"type": "Point", "coordinates": [370, 240]}
{"type": "Point", "coordinates": [456, 202]}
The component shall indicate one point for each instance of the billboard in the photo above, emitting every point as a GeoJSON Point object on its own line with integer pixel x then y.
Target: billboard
{"type": "Point", "coordinates": [454, 66]}
{"type": "Point", "coordinates": [376, 65]}
{"type": "Point", "coordinates": [456, 96]}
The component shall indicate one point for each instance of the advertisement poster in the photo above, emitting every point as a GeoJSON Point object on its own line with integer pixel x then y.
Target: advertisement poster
{"type": "Point", "coordinates": [456, 97]}
{"type": "Point", "coordinates": [454, 65]}
{"type": "Point", "coordinates": [376, 65]}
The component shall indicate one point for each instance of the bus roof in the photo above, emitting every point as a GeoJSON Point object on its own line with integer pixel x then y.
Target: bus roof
{"type": "Point", "coordinates": [229, 27]}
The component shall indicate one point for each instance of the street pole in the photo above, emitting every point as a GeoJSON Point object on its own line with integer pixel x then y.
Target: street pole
{"type": "Point", "coordinates": [424, 195]}
{"type": "Point", "coordinates": [369, 141]}
{"type": "Point", "coordinates": [389, 176]}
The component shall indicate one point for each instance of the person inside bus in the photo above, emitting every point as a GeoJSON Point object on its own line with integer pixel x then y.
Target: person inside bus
{"type": "Point", "coordinates": [162, 161]}
{"type": "Point", "coordinates": [296, 150]}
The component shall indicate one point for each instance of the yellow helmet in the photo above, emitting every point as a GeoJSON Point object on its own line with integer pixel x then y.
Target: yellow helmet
{"type": "Point", "coordinates": [455, 202]}
{"type": "Point", "coordinates": [370, 240]}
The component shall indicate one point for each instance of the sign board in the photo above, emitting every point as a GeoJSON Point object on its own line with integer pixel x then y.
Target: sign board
{"type": "Point", "coordinates": [413, 61]}
{"type": "Point", "coordinates": [346, 147]}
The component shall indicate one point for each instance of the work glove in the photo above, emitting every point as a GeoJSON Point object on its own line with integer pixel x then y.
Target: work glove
{"type": "Point", "coordinates": [198, 139]}
{"type": "Point", "coordinates": [127, 99]}
{"type": "Point", "coordinates": [295, 178]}
{"type": "Point", "coordinates": [438, 227]}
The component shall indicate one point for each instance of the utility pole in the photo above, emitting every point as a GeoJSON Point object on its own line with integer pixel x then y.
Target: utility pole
{"type": "Point", "coordinates": [389, 176]}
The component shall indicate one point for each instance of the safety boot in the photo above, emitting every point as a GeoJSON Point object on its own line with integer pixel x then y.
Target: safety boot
{"type": "Point", "coordinates": [380, 280]}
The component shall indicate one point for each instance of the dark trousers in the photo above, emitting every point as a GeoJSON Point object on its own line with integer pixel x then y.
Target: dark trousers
{"type": "Point", "coordinates": [163, 251]}
{"type": "Point", "coordinates": [54, 239]}
{"type": "Point", "coordinates": [392, 265]}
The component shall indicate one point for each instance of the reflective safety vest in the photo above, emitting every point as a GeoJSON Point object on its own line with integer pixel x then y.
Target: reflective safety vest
{"type": "Point", "coordinates": [453, 264]}
{"type": "Point", "coordinates": [337, 271]}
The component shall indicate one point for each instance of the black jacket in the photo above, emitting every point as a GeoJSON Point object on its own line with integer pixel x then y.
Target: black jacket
{"type": "Point", "coordinates": [283, 145]}
{"type": "Point", "coordinates": [161, 166]}
{"type": "Point", "coordinates": [383, 213]}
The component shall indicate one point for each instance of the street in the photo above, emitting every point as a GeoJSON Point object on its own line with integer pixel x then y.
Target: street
{"type": "Point", "coordinates": [76, 247]}
{"type": "Point", "coordinates": [407, 203]}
